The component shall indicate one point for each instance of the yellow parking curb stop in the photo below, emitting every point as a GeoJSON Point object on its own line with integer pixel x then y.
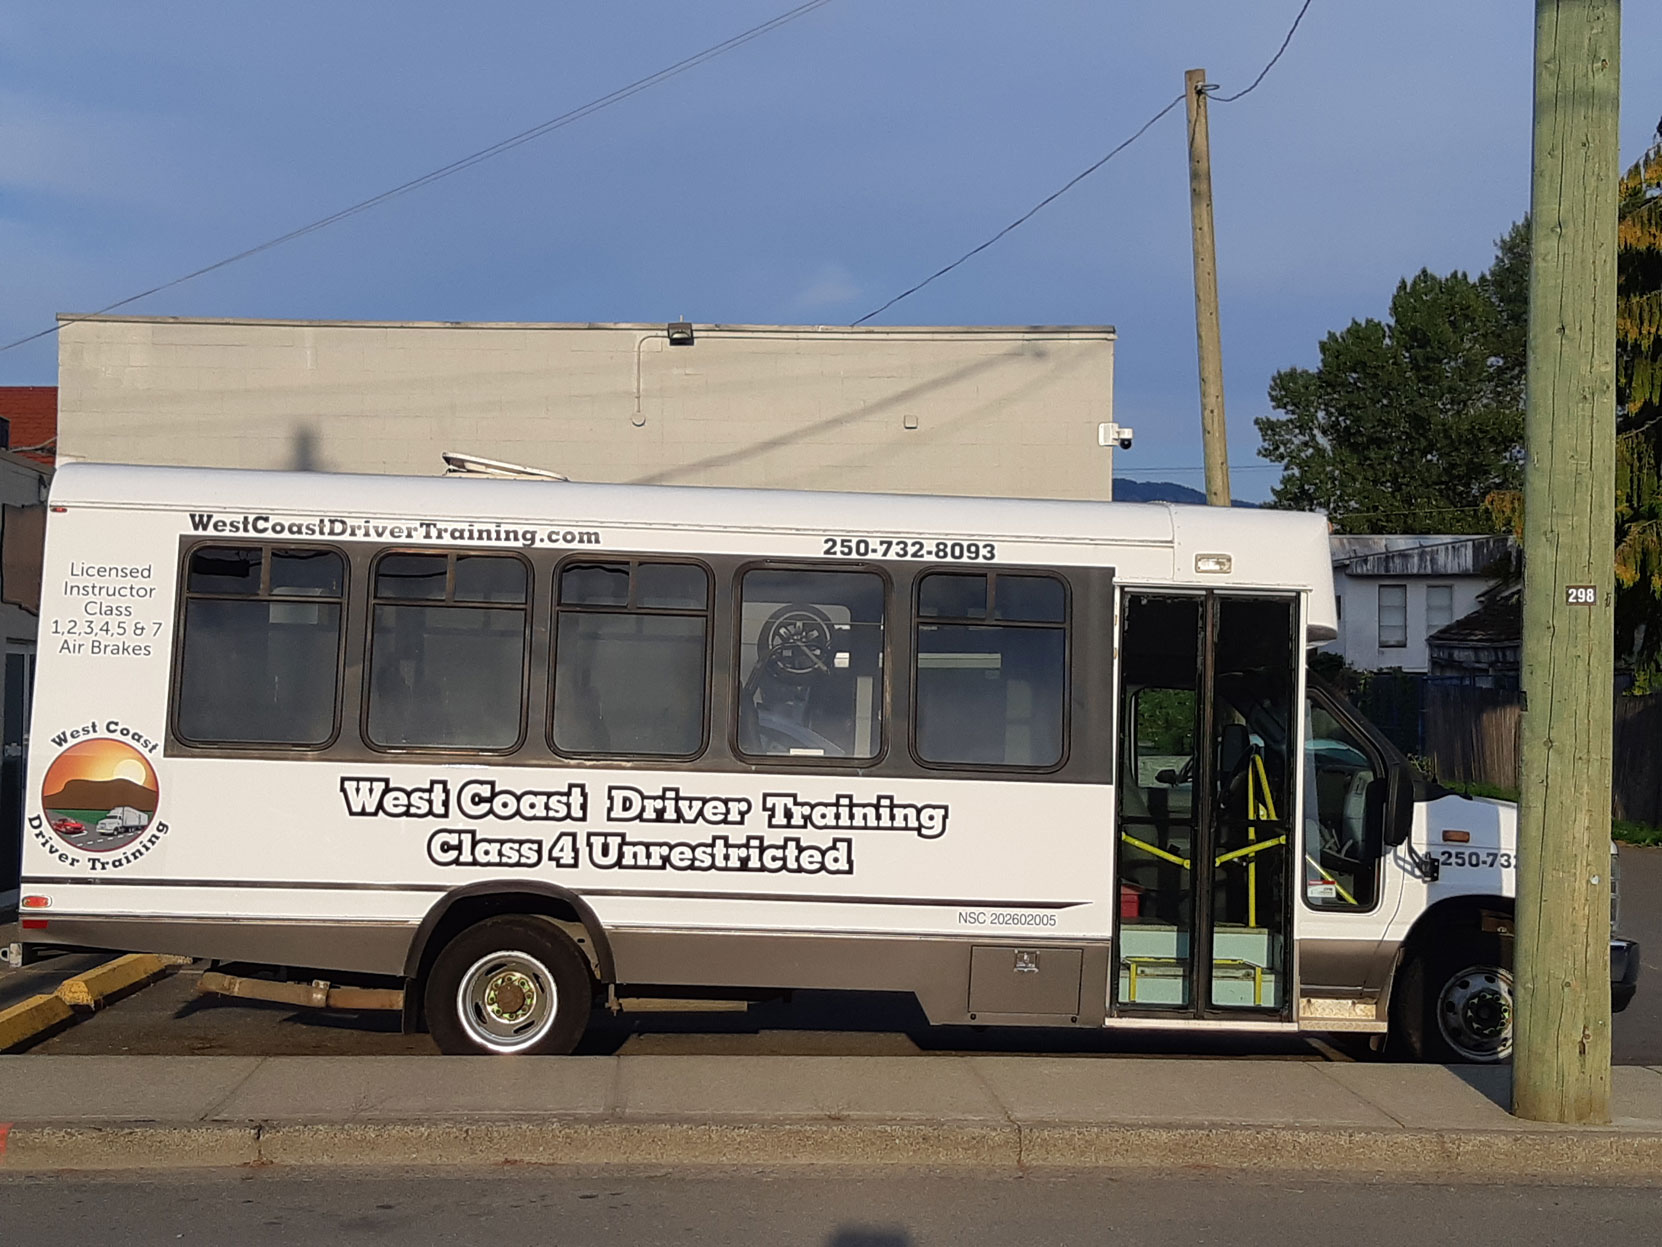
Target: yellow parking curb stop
{"type": "Point", "coordinates": [89, 990]}
{"type": "Point", "coordinates": [22, 1022]}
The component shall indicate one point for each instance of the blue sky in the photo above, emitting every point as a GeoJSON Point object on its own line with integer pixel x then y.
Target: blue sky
{"type": "Point", "coordinates": [804, 178]}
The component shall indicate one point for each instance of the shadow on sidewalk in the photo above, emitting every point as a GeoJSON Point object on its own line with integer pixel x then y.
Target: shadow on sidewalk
{"type": "Point", "coordinates": [1492, 1082]}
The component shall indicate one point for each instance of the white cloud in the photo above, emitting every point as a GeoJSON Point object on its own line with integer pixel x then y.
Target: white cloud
{"type": "Point", "coordinates": [831, 285]}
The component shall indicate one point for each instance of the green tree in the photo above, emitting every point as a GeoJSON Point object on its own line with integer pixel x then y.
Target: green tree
{"type": "Point", "coordinates": [1638, 519]}
{"type": "Point", "coordinates": [1639, 414]}
{"type": "Point", "coordinates": [1408, 424]}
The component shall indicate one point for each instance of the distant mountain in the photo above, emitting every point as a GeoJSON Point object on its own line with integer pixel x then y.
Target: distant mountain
{"type": "Point", "coordinates": [101, 794]}
{"type": "Point", "coordinates": [1126, 490]}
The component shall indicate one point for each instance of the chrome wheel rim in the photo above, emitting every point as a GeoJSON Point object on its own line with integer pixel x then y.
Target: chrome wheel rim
{"type": "Point", "coordinates": [507, 1001]}
{"type": "Point", "coordinates": [1474, 1013]}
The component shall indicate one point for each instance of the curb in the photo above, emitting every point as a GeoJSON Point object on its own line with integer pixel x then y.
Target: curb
{"type": "Point", "coordinates": [34, 1149]}
{"type": "Point", "coordinates": [1559, 1156]}
{"type": "Point", "coordinates": [625, 1143]}
{"type": "Point", "coordinates": [1563, 1155]}
{"type": "Point", "coordinates": [82, 993]}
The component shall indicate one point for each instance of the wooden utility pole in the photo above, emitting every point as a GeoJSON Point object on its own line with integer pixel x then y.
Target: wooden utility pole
{"type": "Point", "coordinates": [1561, 1063]}
{"type": "Point", "coordinates": [1212, 433]}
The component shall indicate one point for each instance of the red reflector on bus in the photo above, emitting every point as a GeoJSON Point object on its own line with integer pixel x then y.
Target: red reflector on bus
{"type": "Point", "coordinates": [1457, 837]}
{"type": "Point", "coordinates": [33, 924]}
{"type": "Point", "coordinates": [35, 902]}
{"type": "Point", "coordinates": [59, 510]}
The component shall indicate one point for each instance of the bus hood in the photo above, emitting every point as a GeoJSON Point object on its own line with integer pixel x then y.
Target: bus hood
{"type": "Point", "coordinates": [1454, 821]}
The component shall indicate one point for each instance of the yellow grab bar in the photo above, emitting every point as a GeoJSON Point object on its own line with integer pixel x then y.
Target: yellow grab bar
{"type": "Point", "coordinates": [1257, 846]}
{"type": "Point", "coordinates": [1146, 847]}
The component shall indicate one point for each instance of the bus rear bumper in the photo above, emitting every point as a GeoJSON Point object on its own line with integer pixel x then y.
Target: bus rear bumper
{"type": "Point", "coordinates": [1624, 973]}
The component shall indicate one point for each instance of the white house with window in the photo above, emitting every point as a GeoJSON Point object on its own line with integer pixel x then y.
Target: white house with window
{"type": "Point", "coordinates": [1395, 590]}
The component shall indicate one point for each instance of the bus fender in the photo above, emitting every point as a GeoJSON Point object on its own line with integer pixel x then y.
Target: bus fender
{"type": "Point", "coordinates": [1467, 914]}
{"type": "Point", "coordinates": [1473, 912]}
{"type": "Point", "coordinates": [499, 896]}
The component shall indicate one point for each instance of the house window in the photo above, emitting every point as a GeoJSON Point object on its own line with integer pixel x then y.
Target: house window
{"type": "Point", "coordinates": [1439, 607]}
{"type": "Point", "coordinates": [1393, 616]}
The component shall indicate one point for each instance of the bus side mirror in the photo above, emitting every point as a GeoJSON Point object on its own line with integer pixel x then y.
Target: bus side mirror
{"type": "Point", "coordinates": [1375, 800]}
{"type": "Point", "coordinates": [1167, 776]}
{"type": "Point", "coordinates": [1397, 815]}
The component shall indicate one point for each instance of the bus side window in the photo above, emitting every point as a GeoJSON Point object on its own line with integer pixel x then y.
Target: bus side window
{"type": "Point", "coordinates": [810, 663]}
{"type": "Point", "coordinates": [259, 660]}
{"type": "Point", "coordinates": [991, 675]}
{"type": "Point", "coordinates": [447, 654]}
{"type": "Point", "coordinates": [1341, 871]}
{"type": "Point", "coordinates": [630, 649]}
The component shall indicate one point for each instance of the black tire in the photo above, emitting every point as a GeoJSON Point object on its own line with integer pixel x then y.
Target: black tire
{"type": "Point", "coordinates": [511, 985]}
{"type": "Point", "coordinates": [1452, 1001]}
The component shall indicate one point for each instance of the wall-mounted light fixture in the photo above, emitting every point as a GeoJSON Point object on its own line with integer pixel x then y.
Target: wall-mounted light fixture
{"type": "Point", "coordinates": [680, 332]}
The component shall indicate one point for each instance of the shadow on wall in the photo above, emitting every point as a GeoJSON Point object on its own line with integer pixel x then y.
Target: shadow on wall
{"type": "Point", "coordinates": [304, 456]}
{"type": "Point", "coordinates": [668, 476]}
{"type": "Point", "coordinates": [967, 417]}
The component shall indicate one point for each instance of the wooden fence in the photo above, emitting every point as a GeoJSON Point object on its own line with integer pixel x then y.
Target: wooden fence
{"type": "Point", "coordinates": [1471, 735]}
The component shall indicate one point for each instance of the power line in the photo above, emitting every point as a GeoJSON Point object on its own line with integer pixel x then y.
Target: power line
{"type": "Point", "coordinates": [1372, 515]}
{"type": "Point", "coordinates": [1291, 31]}
{"type": "Point", "coordinates": [1080, 177]}
{"type": "Point", "coordinates": [1048, 199]}
{"type": "Point", "coordinates": [466, 162]}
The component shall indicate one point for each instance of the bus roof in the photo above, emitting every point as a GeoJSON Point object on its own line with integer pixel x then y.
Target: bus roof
{"type": "Point", "coordinates": [1279, 548]}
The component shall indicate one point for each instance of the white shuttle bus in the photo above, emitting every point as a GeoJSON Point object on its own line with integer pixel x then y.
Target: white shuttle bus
{"type": "Point", "coordinates": [517, 748]}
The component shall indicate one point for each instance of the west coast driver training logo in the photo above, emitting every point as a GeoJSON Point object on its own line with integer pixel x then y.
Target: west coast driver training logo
{"type": "Point", "coordinates": [100, 795]}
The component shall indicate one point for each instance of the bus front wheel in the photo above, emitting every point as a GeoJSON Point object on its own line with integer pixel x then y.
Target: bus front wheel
{"type": "Point", "coordinates": [1453, 1004]}
{"type": "Point", "coordinates": [509, 985]}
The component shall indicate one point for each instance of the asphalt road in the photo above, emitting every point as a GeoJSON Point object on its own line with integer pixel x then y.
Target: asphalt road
{"type": "Point", "coordinates": [169, 1018]}
{"type": "Point", "coordinates": [836, 1209]}
{"type": "Point", "coordinates": [1636, 1035]}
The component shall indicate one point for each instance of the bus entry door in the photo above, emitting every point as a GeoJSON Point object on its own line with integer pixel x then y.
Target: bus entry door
{"type": "Point", "coordinates": [1207, 689]}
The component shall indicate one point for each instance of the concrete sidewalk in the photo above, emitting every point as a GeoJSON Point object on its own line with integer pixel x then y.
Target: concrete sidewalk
{"type": "Point", "coordinates": [94, 1112]}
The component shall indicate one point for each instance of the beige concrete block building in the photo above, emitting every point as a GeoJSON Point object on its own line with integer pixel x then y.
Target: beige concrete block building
{"type": "Point", "coordinates": [979, 411]}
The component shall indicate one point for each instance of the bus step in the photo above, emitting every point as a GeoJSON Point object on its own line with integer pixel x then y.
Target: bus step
{"type": "Point", "coordinates": [314, 995]}
{"type": "Point", "coordinates": [1171, 968]}
{"type": "Point", "coordinates": [1137, 971]}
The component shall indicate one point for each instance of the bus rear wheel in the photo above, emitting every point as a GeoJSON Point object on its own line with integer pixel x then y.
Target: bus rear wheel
{"type": "Point", "coordinates": [510, 985]}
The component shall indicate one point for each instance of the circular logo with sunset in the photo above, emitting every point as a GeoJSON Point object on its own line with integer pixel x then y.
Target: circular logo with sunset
{"type": "Point", "coordinates": [100, 795]}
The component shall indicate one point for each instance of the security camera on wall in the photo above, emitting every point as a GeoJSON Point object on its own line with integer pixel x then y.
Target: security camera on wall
{"type": "Point", "coordinates": [1110, 434]}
